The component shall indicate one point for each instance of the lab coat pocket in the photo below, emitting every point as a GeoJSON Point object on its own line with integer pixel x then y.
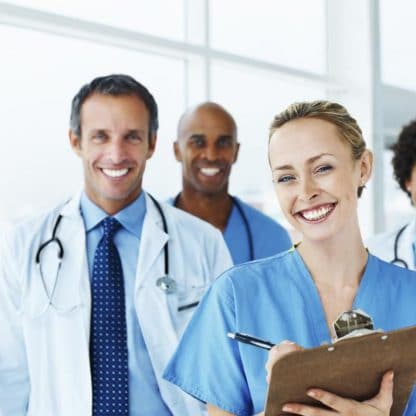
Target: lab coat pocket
{"type": "Point", "coordinates": [188, 302]}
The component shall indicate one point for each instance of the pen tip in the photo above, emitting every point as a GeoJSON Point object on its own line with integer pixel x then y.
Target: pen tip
{"type": "Point", "coordinates": [231, 335]}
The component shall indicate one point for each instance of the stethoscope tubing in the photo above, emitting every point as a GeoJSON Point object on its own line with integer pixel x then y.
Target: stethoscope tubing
{"type": "Point", "coordinates": [249, 232]}
{"type": "Point", "coordinates": [243, 216]}
{"type": "Point", "coordinates": [397, 260]}
{"type": "Point", "coordinates": [55, 240]}
{"type": "Point", "coordinates": [166, 230]}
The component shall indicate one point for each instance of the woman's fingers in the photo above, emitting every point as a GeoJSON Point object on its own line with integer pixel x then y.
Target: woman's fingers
{"type": "Point", "coordinates": [384, 399]}
{"type": "Point", "coordinates": [305, 410]}
{"type": "Point", "coordinates": [336, 405]}
{"type": "Point", "coordinates": [277, 352]}
{"type": "Point", "coordinates": [379, 405]}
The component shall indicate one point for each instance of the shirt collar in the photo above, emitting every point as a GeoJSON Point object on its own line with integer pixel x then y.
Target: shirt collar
{"type": "Point", "coordinates": [131, 217]}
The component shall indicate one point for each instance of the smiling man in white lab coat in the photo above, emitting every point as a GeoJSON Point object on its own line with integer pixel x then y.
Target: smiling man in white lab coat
{"type": "Point", "coordinates": [69, 345]}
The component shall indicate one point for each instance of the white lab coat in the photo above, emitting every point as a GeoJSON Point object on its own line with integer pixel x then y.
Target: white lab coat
{"type": "Point", "coordinates": [382, 245]}
{"type": "Point", "coordinates": [44, 352]}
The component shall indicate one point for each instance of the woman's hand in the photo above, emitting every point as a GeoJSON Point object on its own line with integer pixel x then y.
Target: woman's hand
{"type": "Point", "coordinates": [379, 405]}
{"type": "Point", "coordinates": [277, 352]}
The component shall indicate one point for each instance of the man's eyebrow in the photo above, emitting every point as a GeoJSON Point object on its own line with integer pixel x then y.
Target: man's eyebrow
{"type": "Point", "coordinates": [103, 130]}
{"type": "Point", "coordinates": [98, 130]}
{"type": "Point", "coordinates": [140, 131]}
{"type": "Point", "coordinates": [196, 136]}
{"type": "Point", "coordinates": [309, 161]}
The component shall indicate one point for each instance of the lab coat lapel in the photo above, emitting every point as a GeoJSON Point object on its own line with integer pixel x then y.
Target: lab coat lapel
{"type": "Point", "coordinates": [153, 304]}
{"type": "Point", "coordinates": [75, 265]}
{"type": "Point", "coordinates": [152, 243]}
{"type": "Point", "coordinates": [155, 310]}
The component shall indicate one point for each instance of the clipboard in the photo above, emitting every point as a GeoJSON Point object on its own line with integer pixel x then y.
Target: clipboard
{"type": "Point", "coordinates": [352, 368]}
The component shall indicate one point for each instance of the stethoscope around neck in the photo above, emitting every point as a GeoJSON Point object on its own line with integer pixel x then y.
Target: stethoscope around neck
{"type": "Point", "coordinates": [164, 283]}
{"type": "Point", "coordinates": [54, 240]}
{"type": "Point", "coordinates": [245, 222]}
{"type": "Point", "coordinates": [397, 260]}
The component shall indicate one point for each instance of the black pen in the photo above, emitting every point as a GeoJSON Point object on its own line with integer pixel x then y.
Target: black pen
{"type": "Point", "coordinates": [248, 339]}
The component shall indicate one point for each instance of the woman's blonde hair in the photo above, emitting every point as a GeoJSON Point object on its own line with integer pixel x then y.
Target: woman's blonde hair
{"type": "Point", "coordinates": [325, 110]}
{"type": "Point", "coordinates": [334, 113]}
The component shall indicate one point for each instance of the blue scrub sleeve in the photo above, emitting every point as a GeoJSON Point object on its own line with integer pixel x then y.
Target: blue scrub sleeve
{"type": "Point", "coordinates": [207, 363]}
{"type": "Point", "coordinates": [411, 404]}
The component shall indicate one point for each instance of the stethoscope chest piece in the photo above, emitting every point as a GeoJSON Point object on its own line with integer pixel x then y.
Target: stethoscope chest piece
{"type": "Point", "coordinates": [166, 284]}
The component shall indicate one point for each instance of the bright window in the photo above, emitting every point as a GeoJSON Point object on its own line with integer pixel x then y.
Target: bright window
{"type": "Point", "coordinates": [164, 18]}
{"type": "Point", "coordinates": [398, 58]}
{"type": "Point", "coordinates": [290, 33]}
{"type": "Point", "coordinates": [38, 83]}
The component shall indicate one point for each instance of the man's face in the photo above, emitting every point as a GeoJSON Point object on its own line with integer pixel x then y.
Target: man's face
{"type": "Point", "coordinates": [114, 147]}
{"type": "Point", "coordinates": [207, 148]}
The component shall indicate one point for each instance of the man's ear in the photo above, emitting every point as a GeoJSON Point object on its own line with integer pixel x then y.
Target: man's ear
{"type": "Point", "coordinates": [177, 151]}
{"type": "Point", "coordinates": [236, 152]}
{"type": "Point", "coordinates": [152, 146]}
{"type": "Point", "coordinates": [75, 142]}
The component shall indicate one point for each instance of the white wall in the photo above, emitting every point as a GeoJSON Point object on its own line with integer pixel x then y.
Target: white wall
{"type": "Point", "coordinates": [253, 58]}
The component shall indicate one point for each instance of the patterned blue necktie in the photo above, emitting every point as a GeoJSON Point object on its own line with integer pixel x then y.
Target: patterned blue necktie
{"type": "Point", "coordinates": [108, 343]}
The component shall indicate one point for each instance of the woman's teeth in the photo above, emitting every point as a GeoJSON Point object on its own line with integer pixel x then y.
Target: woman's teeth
{"type": "Point", "coordinates": [115, 173]}
{"type": "Point", "coordinates": [317, 214]}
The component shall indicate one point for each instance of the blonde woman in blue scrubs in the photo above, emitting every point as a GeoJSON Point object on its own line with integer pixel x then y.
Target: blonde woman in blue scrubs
{"type": "Point", "coordinates": [320, 165]}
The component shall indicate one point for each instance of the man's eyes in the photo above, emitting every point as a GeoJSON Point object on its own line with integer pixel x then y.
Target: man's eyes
{"type": "Point", "coordinates": [134, 136]}
{"type": "Point", "coordinates": [99, 135]}
{"type": "Point", "coordinates": [197, 141]}
{"type": "Point", "coordinates": [225, 142]}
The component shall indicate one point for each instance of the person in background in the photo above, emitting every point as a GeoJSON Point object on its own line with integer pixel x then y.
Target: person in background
{"type": "Point", "coordinates": [95, 294]}
{"type": "Point", "coordinates": [319, 165]}
{"type": "Point", "coordinates": [207, 148]}
{"type": "Point", "coordinates": [398, 246]}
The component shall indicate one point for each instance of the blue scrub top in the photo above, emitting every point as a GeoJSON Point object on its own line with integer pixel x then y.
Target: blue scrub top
{"type": "Point", "coordinates": [268, 237]}
{"type": "Point", "coordinates": [274, 299]}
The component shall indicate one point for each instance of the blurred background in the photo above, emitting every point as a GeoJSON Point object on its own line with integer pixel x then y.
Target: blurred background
{"type": "Point", "coordinates": [254, 58]}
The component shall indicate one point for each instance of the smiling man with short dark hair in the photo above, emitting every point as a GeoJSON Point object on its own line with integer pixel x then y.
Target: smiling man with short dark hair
{"type": "Point", "coordinates": [95, 294]}
{"type": "Point", "coordinates": [207, 147]}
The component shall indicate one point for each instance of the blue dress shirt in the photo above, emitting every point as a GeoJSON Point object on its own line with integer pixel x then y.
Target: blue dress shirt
{"type": "Point", "coordinates": [144, 395]}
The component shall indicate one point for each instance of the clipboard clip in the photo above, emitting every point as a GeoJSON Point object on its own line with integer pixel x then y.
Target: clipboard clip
{"type": "Point", "coordinates": [353, 323]}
